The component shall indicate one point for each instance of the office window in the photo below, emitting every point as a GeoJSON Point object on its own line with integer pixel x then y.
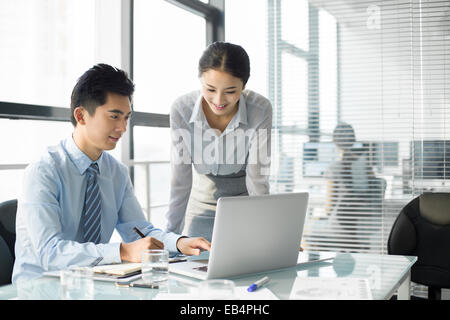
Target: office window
{"type": "Point", "coordinates": [24, 140]}
{"type": "Point", "coordinates": [295, 23]}
{"type": "Point", "coordinates": [152, 171]}
{"type": "Point", "coordinates": [294, 92]}
{"type": "Point", "coordinates": [327, 71]}
{"type": "Point", "coordinates": [168, 42]}
{"type": "Point", "coordinates": [152, 186]}
{"type": "Point", "coordinates": [45, 47]}
{"type": "Point", "coordinates": [28, 139]}
{"type": "Point", "coordinates": [151, 144]}
{"type": "Point", "coordinates": [250, 31]}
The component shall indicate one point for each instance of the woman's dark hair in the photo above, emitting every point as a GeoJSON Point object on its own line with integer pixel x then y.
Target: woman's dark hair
{"type": "Point", "coordinates": [226, 57]}
{"type": "Point", "coordinates": [92, 88]}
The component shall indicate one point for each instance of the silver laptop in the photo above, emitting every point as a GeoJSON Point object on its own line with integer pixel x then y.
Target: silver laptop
{"type": "Point", "coordinates": [251, 234]}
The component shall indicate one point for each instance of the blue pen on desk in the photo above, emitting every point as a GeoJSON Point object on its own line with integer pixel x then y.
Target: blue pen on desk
{"type": "Point", "coordinates": [258, 284]}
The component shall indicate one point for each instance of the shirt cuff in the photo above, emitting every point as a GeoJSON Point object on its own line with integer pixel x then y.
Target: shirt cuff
{"type": "Point", "coordinates": [170, 242]}
{"type": "Point", "coordinates": [110, 253]}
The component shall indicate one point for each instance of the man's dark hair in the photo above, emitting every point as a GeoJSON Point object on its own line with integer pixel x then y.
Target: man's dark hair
{"type": "Point", "coordinates": [227, 57]}
{"type": "Point", "coordinates": [92, 88]}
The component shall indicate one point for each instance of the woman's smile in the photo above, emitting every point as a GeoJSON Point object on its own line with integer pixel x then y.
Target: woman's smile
{"type": "Point", "coordinates": [219, 106]}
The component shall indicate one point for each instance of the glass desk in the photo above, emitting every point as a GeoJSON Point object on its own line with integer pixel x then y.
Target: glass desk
{"type": "Point", "coordinates": [386, 274]}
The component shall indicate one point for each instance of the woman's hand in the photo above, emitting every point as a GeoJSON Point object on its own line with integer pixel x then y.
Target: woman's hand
{"type": "Point", "coordinates": [193, 246]}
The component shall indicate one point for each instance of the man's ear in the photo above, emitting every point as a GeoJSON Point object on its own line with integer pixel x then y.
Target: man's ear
{"type": "Point", "coordinates": [79, 114]}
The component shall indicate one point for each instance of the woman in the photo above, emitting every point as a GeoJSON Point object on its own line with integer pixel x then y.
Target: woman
{"type": "Point", "coordinates": [221, 141]}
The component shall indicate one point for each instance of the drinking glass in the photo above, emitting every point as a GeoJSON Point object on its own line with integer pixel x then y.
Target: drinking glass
{"type": "Point", "coordinates": [77, 283]}
{"type": "Point", "coordinates": [155, 266]}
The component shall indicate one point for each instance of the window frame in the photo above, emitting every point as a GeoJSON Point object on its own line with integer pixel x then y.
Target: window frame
{"type": "Point", "coordinates": [213, 12]}
{"type": "Point", "coordinates": [277, 46]}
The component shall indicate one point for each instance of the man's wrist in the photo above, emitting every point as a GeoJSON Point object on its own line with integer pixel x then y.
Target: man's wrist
{"type": "Point", "coordinates": [122, 252]}
{"type": "Point", "coordinates": [178, 241]}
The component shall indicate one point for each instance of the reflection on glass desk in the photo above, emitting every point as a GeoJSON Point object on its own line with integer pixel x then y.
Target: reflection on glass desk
{"type": "Point", "coordinates": [386, 275]}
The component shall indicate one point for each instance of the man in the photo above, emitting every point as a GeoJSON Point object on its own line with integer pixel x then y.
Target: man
{"type": "Point", "coordinates": [76, 194]}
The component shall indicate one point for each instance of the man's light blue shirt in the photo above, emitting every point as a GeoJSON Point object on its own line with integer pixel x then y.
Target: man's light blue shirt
{"type": "Point", "coordinates": [48, 233]}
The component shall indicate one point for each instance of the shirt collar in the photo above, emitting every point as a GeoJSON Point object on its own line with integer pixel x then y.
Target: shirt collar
{"type": "Point", "coordinates": [197, 112]}
{"type": "Point", "coordinates": [242, 112]}
{"type": "Point", "coordinates": [78, 157]}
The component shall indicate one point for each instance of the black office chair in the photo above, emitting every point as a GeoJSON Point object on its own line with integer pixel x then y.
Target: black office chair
{"type": "Point", "coordinates": [422, 229]}
{"type": "Point", "coordinates": [8, 211]}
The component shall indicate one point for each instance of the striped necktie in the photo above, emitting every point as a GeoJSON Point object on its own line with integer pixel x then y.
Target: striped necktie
{"type": "Point", "coordinates": [91, 218]}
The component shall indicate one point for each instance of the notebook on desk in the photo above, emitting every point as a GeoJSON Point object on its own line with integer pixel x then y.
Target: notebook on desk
{"type": "Point", "coordinates": [251, 234]}
{"type": "Point", "coordinates": [111, 272]}
{"type": "Point", "coordinates": [119, 270]}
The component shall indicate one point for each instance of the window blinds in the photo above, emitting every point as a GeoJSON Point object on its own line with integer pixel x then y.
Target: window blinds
{"type": "Point", "coordinates": [380, 69]}
{"type": "Point", "coordinates": [360, 119]}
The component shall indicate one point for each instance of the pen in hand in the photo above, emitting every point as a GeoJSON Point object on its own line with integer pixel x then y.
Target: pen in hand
{"type": "Point", "coordinates": [139, 232]}
{"type": "Point", "coordinates": [153, 243]}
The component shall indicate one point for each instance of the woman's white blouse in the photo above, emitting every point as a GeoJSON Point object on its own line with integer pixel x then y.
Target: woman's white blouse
{"type": "Point", "coordinates": [243, 145]}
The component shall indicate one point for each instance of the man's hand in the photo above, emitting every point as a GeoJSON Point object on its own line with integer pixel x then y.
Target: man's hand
{"type": "Point", "coordinates": [193, 246]}
{"type": "Point", "coordinates": [132, 251]}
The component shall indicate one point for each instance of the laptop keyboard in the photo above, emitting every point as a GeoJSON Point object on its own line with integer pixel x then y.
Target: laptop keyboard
{"type": "Point", "coordinates": [202, 268]}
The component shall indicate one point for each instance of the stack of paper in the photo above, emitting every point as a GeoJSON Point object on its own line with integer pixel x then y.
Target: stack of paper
{"type": "Point", "coordinates": [241, 293]}
{"type": "Point", "coordinates": [331, 289]}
